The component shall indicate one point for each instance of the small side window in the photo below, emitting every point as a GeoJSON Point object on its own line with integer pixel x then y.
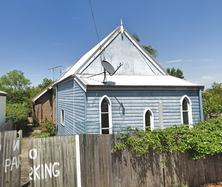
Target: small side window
{"type": "Point", "coordinates": [186, 111]}
{"type": "Point", "coordinates": [62, 117]}
{"type": "Point", "coordinates": [148, 119]}
{"type": "Point", "coordinates": [105, 116]}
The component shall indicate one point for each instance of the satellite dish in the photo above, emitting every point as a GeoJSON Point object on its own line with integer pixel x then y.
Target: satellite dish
{"type": "Point", "coordinates": [109, 68]}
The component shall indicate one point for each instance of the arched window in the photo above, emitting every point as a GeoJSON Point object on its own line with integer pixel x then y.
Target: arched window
{"type": "Point", "coordinates": [186, 111]}
{"type": "Point", "coordinates": [148, 119]}
{"type": "Point", "coordinates": [105, 116]}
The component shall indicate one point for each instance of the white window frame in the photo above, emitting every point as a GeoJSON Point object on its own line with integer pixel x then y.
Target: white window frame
{"type": "Point", "coordinates": [62, 117]}
{"type": "Point", "coordinates": [151, 119]}
{"type": "Point", "coordinates": [190, 117]}
{"type": "Point", "coordinates": [109, 112]}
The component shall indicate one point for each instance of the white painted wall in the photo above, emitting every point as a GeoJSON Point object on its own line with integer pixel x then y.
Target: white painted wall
{"type": "Point", "coordinates": [2, 110]}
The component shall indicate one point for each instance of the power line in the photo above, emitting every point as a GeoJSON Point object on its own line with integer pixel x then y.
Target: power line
{"type": "Point", "coordinates": [95, 27]}
{"type": "Point", "coordinates": [94, 22]}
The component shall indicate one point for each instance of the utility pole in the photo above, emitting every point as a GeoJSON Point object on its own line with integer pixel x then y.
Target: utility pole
{"type": "Point", "coordinates": [52, 69]}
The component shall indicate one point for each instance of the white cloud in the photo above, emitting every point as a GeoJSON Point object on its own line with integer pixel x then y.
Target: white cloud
{"type": "Point", "coordinates": [208, 77]}
{"type": "Point", "coordinates": [173, 61]}
{"type": "Point", "coordinates": [207, 60]}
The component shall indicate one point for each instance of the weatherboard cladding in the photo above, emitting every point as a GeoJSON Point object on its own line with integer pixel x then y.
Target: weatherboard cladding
{"type": "Point", "coordinates": [79, 110]}
{"type": "Point", "coordinates": [128, 108]}
{"type": "Point", "coordinates": [65, 98]}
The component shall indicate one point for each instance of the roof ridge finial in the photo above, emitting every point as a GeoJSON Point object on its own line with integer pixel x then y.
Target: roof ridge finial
{"type": "Point", "coordinates": [121, 27]}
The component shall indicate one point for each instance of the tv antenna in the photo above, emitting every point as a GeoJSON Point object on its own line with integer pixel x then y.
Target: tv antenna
{"type": "Point", "coordinates": [52, 70]}
{"type": "Point", "coordinates": [109, 68]}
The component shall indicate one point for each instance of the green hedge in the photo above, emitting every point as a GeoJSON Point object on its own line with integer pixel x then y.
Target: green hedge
{"type": "Point", "coordinates": [201, 141]}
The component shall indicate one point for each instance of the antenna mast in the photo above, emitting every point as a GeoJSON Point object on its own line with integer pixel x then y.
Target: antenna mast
{"type": "Point", "coordinates": [52, 70]}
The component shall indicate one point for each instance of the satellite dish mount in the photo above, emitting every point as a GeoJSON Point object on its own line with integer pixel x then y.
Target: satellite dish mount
{"type": "Point", "coordinates": [109, 68]}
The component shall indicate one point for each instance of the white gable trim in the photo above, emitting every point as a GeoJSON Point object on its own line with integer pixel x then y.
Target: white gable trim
{"type": "Point", "coordinates": [145, 53]}
{"type": "Point", "coordinates": [87, 59]}
{"type": "Point", "coordinates": [98, 51]}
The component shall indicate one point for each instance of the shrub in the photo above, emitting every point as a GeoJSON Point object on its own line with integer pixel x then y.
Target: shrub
{"type": "Point", "coordinates": [201, 141]}
{"type": "Point", "coordinates": [51, 127]}
{"type": "Point", "coordinates": [19, 114]}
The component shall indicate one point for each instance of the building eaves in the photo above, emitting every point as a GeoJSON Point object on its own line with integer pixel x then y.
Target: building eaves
{"type": "Point", "coordinates": [42, 92]}
{"type": "Point", "coordinates": [3, 93]}
{"type": "Point", "coordinates": [118, 81]}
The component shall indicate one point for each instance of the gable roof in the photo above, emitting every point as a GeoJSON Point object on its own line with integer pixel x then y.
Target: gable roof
{"type": "Point", "coordinates": [43, 92]}
{"type": "Point", "coordinates": [134, 81]}
{"type": "Point", "coordinates": [86, 59]}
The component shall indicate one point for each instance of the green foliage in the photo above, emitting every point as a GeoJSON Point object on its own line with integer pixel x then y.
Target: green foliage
{"type": "Point", "coordinates": [201, 141]}
{"type": "Point", "coordinates": [35, 90]}
{"type": "Point", "coordinates": [176, 73]}
{"type": "Point", "coordinates": [51, 127]}
{"type": "Point", "coordinates": [16, 85]}
{"type": "Point", "coordinates": [18, 113]}
{"type": "Point", "coordinates": [44, 134]}
{"type": "Point", "coordinates": [212, 101]}
{"type": "Point", "coordinates": [150, 49]}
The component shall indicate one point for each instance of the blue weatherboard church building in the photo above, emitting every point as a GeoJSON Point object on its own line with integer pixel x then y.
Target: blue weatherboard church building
{"type": "Point", "coordinates": [139, 94]}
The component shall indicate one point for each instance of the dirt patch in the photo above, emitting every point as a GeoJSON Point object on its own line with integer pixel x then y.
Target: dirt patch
{"type": "Point", "coordinates": [27, 133]}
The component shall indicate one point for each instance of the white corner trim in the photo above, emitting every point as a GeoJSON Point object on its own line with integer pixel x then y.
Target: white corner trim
{"type": "Point", "coordinates": [78, 165]}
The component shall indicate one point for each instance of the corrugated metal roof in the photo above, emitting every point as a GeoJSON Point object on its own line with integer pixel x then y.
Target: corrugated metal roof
{"type": "Point", "coordinates": [3, 93]}
{"type": "Point", "coordinates": [127, 80]}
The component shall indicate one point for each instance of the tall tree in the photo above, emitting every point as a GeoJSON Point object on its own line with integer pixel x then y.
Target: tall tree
{"type": "Point", "coordinates": [35, 90]}
{"type": "Point", "coordinates": [150, 49]}
{"type": "Point", "coordinates": [16, 85]}
{"type": "Point", "coordinates": [176, 73]}
{"type": "Point", "coordinates": [212, 101]}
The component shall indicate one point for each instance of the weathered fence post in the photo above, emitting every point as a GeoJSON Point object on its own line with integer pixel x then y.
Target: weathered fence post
{"type": "Point", "coordinates": [10, 162]}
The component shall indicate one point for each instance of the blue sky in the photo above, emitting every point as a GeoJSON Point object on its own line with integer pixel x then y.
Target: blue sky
{"type": "Point", "coordinates": [36, 35]}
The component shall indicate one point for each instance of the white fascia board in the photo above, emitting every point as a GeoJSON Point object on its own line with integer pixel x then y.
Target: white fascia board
{"type": "Point", "coordinates": [82, 83]}
{"type": "Point", "coordinates": [145, 53]}
{"type": "Point", "coordinates": [139, 88]}
{"type": "Point", "coordinates": [49, 88]}
{"type": "Point", "coordinates": [100, 49]}
{"type": "Point", "coordinates": [86, 59]}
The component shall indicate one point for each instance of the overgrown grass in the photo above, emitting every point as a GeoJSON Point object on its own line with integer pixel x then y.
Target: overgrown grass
{"type": "Point", "coordinates": [44, 134]}
{"type": "Point", "coordinates": [201, 141]}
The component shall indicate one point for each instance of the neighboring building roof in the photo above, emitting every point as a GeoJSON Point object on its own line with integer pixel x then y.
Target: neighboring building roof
{"type": "Point", "coordinates": [134, 81]}
{"type": "Point", "coordinates": [86, 59]}
{"type": "Point", "coordinates": [3, 93]}
{"type": "Point", "coordinates": [42, 92]}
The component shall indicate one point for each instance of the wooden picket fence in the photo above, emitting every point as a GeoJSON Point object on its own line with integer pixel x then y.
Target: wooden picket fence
{"type": "Point", "coordinates": [87, 161]}
{"type": "Point", "coordinates": [10, 164]}
{"type": "Point", "coordinates": [54, 161]}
